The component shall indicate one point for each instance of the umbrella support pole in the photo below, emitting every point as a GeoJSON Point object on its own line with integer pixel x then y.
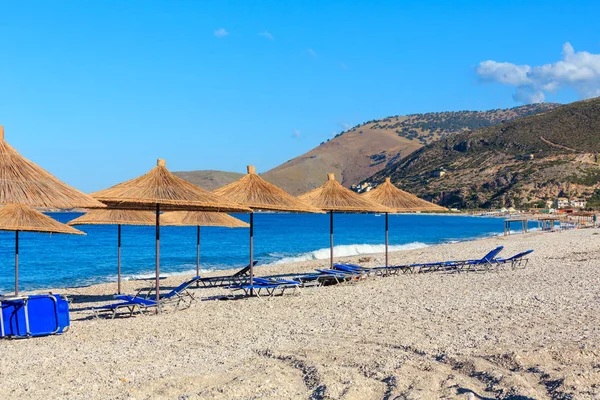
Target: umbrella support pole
{"type": "Point", "coordinates": [16, 263]}
{"type": "Point", "coordinates": [157, 256]}
{"type": "Point", "coordinates": [386, 239]}
{"type": "Point", "coordinates": [198, 254]}
{"type": "Point", "coordinates": [251, 251]}
{"type": "Point", "coordinates": [119, 259]}
{"type": "Point", "coordinates": [331, 239]}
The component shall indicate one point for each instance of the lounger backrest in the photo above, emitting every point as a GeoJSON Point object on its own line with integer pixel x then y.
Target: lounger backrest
{"type": "Point", "coordinates": [492, 254]}
{"type": "Point", "coordinates": [180, 288]}
{"type": "Point", "coordinates": [520, 255]}
{"type": "Point", "coordinates": [262, 281]}
{"type": "Point", "coordinates": [244, 270]}
{"type": "Point", "coordinates": [342, 268]}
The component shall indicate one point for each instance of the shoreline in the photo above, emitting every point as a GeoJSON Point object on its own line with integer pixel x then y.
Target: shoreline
{"type": "Point", "coordinates": [427, 335]}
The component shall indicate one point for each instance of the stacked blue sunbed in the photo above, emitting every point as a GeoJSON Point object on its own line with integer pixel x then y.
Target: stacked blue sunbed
{"type": "Point", "coordinates": [33, 315]}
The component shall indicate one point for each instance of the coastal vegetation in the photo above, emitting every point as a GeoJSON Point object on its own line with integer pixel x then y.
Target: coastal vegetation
{"type": "Point", "coordinates": [516, 163]}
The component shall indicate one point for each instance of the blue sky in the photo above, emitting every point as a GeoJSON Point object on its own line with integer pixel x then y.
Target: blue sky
{"type": "Point", "coordinates": [96, 91]}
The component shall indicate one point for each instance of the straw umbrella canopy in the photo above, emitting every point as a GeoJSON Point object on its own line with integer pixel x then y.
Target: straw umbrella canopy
{"type": "Point", "coordinates": [253, 191]}
{"type": "Point", "coordinates": [198, 219]}
{"type": "Point", "coordinates": [159, 188]}
{"type": "Point", "coordinates": [390, 196]}
{"type": "Point", "coordinates": [19, 217]}
{"type": "Point", "coordinates": [23, 182]}
{"type": "Point", "coordinates": [333, 197]}
{"type": "Point", "coordinates": [115, 217]}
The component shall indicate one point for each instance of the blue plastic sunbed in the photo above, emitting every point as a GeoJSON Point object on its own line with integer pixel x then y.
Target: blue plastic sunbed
{"type": "Point", "coordinates": [338, 275]}
{"type": "Point", "coordinates": [235, 279]}
{"type": "Point", "coordinates": [181, 294]}
{"type": "Point", "coordinates": [260, 285]}
{"type": "Point", "coordinates": [177, 296]}
{"type": "Point", "coordinates": [352, 268]}
{"type": "Point", "coordinates": [254, 289]}
{"type": "Point", "coordinates": [458, 265]}
{"type": "Point", "coordinates": [519, 260]}
{"type": "Point", "coordinates": [114, 308]}
{"type": "Point", "coordinates": [34, 315]}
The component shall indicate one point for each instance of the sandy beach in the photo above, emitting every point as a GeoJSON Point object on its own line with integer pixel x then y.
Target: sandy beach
{"type": "Point", "coordinates": [531, 333]}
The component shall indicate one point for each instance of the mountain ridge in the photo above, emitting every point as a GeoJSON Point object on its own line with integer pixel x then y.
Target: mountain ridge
{"type": "Point", "coordinates": [369, 147]}
{"type": "Point", "coordinates": [516, 163]}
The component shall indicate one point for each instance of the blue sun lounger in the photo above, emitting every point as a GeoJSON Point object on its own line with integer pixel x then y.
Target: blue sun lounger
{"type": "Point", "coordinates": [352, 268]}
{"type": "Point", "coordinates": [114, 308]}
{"type": "Point", "coordinates": [340, 276]}
{"type": "Point", "coordinates": [517, 261]}
{"type": "Point", "coordinates": [33, 315]}
{"type": "Point", "coordinates": [177, 296]}
{"type": "Point", "coordinates": [235, 279]}
{"type": "Point", "coordinates": [482, 264]}
{"type": "Point", "coordinates": [268, 285]}
{"type": "Point", "coordinates": [460, 265]}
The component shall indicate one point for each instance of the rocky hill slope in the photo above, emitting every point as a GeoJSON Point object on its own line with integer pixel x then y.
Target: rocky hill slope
{"type": "Point", "coordinates": [370, 147]}
{"type": "Point", "coordinates": [512, 164]}
{"type": "Point", "coordinates": [209, 179]}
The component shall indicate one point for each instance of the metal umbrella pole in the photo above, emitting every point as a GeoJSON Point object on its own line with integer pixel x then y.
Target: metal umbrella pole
{"type": "Point", "coordinates": [386, 239]}
{"type": "Point", "coordinates": [157, 255]}
{"type": "Point", "coordinates": [119, 259]}
{"type": "Point", "coordinates": [198, 251]}
{"type": "Point", "coordinates": [251, 249]}
{"type": "Point", "coordinates": [16, 263]}
{"type": "Point", "coordinates": [331, 239]}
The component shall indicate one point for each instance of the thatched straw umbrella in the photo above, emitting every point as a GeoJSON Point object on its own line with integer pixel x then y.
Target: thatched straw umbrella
{"type": "Point", "coordinates": [19, 217]}
{"type": "Point", "coordinates": [333, 197]}
{"type": "Point", "coordinates": [116, 217]}
{"type": "Point", "coordinates": [198, 219]}
{"type": "Point", "coordinates": [23, 182]}
{"type": "Point", "coordinates": [157, 189]}
{"type": "Point", "coordinates": [390, 196]}
{"type": "Point", "coordinates": [254, 192]}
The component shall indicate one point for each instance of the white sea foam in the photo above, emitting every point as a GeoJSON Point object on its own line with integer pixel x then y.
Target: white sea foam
{"type": "Point", "coordinates": [349, 250]}
{"type": "Point", "coordinates": [148, 275]}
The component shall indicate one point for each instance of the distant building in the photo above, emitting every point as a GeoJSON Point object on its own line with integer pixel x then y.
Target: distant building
{"type": "Point", "coordinates": [360, 188]}
{"type": "Point", "coordinates": [561, 202]}
{"type": "Point", "coordinates": [525, 157]}
{"type": "Point", "coordinates": [549, 203]}
{"type": "Point", "coordinates": [438, 173]}
{"type": "Point", "coordinates": [577, 203]}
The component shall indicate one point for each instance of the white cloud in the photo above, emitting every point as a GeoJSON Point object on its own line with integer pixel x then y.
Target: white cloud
{"type": "Point", "coordinates": [311, 52]}
{"type": "Point", "coordinates": [296, 134]}
{"type": "Point", "coordinates": [345, 126]}
{"type": "Point", "coordinates": [579, 71]}
{"type": "Point", "coordinates": [221, 33]}
{"type": "Point", "coordinates": [267, 35]}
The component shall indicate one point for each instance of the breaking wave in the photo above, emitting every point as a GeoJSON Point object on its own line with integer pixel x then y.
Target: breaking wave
{"type": "Point", "coordinates": [349, 250]}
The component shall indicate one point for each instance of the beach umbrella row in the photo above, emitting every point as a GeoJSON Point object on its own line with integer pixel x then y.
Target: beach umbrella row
{"type": "Point", "coordinates": [23, 182]}
{"type": "Point", "coordinates": [160, 189]}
